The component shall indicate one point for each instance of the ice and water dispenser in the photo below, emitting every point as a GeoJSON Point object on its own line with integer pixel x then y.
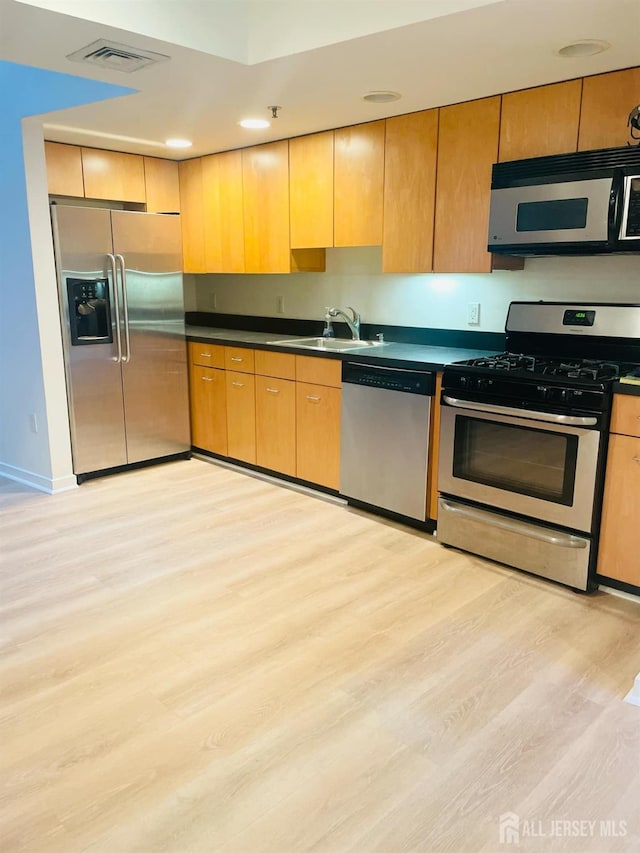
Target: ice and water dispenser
{"type": "Point", "coordinates": [89, 311]}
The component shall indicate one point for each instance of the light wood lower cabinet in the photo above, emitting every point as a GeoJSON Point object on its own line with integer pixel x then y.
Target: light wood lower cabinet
{"type": "Point", "coordinates": [276, 424]}
{"type": "Point", "coordinates": [208, 408]}
{"type": "Point", "coordinates": [318, 434]}
{"type": "Point", "coordinates": [241, 416]}
{"type": "Point", "coordinates": [618, 555]}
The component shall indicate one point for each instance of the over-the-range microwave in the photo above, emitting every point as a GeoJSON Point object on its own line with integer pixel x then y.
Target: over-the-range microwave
{"type": "Point", "coordinates": [567, 204]}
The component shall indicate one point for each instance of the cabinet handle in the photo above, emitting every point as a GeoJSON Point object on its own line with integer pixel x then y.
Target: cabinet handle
{"type": "Point", "coordinates": [273, 390]}
{"type": "Point", "coordinates": [238, 384]}
{"type": "Point", "coordinates": [207, 379]}
{"type": "Point", "coordinates": [636, 458]}
{"type": "Point", "coordinates": [236, 358]}
{"type": "Point", "coordinates": [313, 399]}
{"type": "Point", "coordinates": [205, 355]}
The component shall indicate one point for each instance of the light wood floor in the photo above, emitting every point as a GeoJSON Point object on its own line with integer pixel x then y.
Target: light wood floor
{"type": "Point", "coordinates": [196, 661]}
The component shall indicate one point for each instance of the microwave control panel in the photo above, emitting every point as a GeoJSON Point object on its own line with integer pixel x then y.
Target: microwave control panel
{"type": "Point", "coordinates": [631, 218]}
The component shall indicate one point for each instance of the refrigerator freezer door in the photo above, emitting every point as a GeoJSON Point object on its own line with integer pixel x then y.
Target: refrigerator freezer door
{"type": "Point", "coordinates": [94, 380]}
{"type": "Point", "coordinates": [154, 365]}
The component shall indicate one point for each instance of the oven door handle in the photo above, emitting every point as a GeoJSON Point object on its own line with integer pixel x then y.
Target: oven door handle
{"type": "Point", "coordinates": [567, 420]}
{"type": "Point", "coordinates": [564, 540]}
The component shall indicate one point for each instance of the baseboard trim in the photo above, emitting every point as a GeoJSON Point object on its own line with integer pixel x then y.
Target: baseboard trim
{"type": "Point", "coordinates": [51, 486]}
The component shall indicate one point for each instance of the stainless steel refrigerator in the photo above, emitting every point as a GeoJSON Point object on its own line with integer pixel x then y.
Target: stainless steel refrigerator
{"type": "Point", "coordinates": [122, 312]}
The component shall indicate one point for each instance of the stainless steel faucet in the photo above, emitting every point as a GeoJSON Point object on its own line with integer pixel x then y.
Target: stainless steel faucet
{"type": "Point", "coordinates": [352, 322]}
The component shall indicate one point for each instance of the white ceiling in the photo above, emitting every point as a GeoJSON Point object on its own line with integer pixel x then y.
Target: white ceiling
{"type": "Point", "coordinates": [315, 58]}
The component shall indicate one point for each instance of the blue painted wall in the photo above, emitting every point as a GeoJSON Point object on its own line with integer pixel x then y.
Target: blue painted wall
{"type": "Point", "coordinates": [26, 91]}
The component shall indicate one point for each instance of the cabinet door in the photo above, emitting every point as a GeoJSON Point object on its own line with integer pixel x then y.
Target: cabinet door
{"type": "Point", "coordinates": [409, 192]}
{"type": "Point", "coordinates": [191, 215]}
{"type": "Point", "coordinates": [162, 185]}
{"type": "Point", "coordinates": [359, 184]}
{"type": "Point", "coordinates": [318, 434]}
{"type": "Point", "coordinates": [241, 416]}
{"type": "Point", "coordinates": [276, 424]}
{"type": "Point", "coordinates": [540, 121]}
{"type": "Point", "coordinates": [265, 191]}
{"type": "Point", "coordinates": [467, 149]}
{"type": "Point", "coordinates": [208, 409]}
{"type": "Point", "coordinates": [113, 175]}
{"type": "Point", "coordinates": [607, 100]}
{"type": "Point", "coordinates": [64, 169]}
{"type": "Point", "coordinates": [618, 552]}
{"type": "Point", "coordinates": [311, 190]}
{"type": "Point", "coordinates": [223, 216]}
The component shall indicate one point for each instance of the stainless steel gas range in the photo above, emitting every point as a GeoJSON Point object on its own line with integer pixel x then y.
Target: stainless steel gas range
{"type": "Point", "coordinates": [524, 438]}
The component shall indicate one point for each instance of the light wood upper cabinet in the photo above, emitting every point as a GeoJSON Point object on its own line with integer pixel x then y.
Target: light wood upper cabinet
{"type": "Point", "coordinates": [359, 184]}
{"type": "Point", "coordinates": [64, 169]}
{"type": "Point", "coordinates": [113, 175]}
{"type": "Point", "coordinates": [607, 100]}
{"type": "Point", "coordinates": [223, 213]}
{"type": "Point", "coordinates": [276, 424]}
{"type": "Point", "coordinates": [467, 149]}
{"type": "Point", "coordinates": [265, 189]}
{"type": "Point", "coordinates": [311, 190]}
{"type": "Point", "coordinates": [409, 192]}
{"type": "Point", "coordinates": [191, 217]}
{"type": "Point", "coordinates": [542, 121]}
{"type": "Point", "coordinates": [162, 185]}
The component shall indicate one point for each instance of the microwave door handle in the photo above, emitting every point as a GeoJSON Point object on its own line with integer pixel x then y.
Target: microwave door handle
{"type": "Point", "coordinates": [617, 206]}
{"type": "Point", "coordinates": [527, 414]}
{"type": "Point", "coordinates": [116, 309]}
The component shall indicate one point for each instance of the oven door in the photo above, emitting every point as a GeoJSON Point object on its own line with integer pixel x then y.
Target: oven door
{"type": "Point", "coordinates": [540, 468]}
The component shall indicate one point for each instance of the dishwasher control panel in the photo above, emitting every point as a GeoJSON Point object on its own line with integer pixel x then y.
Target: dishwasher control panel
{"type": "Point", "coordinates": [389, 378]}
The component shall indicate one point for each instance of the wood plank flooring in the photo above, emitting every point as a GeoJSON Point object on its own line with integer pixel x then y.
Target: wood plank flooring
{"type": "Point", "coordinates": [195, 660]}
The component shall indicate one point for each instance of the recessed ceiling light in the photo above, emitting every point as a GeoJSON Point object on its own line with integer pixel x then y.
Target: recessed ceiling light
{"type": "Point", "coordinates": [584, 47]}
{"type": "Point", "coordinates": [381, 97]}
{"type": "Point", "coordinates": [178, 143]}
{"type": "Point", "coordinates": [254, 123]}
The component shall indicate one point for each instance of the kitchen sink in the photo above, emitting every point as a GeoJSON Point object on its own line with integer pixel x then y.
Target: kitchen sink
{"type": "Point", "coordinates": [327, 344]}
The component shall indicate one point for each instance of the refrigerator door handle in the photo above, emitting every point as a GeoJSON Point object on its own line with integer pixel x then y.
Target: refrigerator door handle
{"type": "Point", "coordinates": [114, 297]}
{"type": "Point", "coordinates": [125, 304]}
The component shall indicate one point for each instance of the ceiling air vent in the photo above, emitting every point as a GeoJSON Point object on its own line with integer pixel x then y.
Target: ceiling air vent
{"type": "Point", "coordinates": [116, 57]}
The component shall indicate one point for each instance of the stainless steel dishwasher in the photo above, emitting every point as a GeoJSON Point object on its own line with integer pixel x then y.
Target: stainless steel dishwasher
{"type": "Point", "coordinates": [386, 414]}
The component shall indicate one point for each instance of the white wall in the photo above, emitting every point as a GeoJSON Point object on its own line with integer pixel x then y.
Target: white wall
{"type": "Point", "coordinates": [437, 301]}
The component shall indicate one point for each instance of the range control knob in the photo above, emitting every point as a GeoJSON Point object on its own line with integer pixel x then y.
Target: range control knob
{"type": "Point", "coordinates": [542, 392]}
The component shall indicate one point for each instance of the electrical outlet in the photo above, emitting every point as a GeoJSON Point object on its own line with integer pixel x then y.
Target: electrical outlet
{"type": "Point", "coordinates": [280, 304]}
{"type": "Point", "coordinates": [473, 313]}
{"type": "Point", "coordinates": [33, 422]}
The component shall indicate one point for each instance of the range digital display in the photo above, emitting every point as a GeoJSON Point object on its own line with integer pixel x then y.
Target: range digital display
{"type": "Point", "coordinates": [578, 318]}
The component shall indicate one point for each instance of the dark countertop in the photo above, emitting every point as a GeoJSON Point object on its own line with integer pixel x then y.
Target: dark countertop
{"type": "Point", "coordinates": [626, 388]}
{"type": "Point", "coordinates": [389, 354]}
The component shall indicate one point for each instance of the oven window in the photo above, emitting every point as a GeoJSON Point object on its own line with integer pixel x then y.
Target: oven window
{"type": "Point", "coordinates": [559, 215]}
{"type": "Point", "coordinates": [533, 462]}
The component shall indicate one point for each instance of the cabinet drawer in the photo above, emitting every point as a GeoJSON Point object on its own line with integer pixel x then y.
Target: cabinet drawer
{"type": "Point", "coordinates": [320, 371]}
{"type": "Point", "coordinates": [279, 364]}
{"type": "Point", "coordinates": [625, 418]}
{"type": "Point", "coordinates": [238, 358]}
{"type": "Point", "coordinates": [206, 355]}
